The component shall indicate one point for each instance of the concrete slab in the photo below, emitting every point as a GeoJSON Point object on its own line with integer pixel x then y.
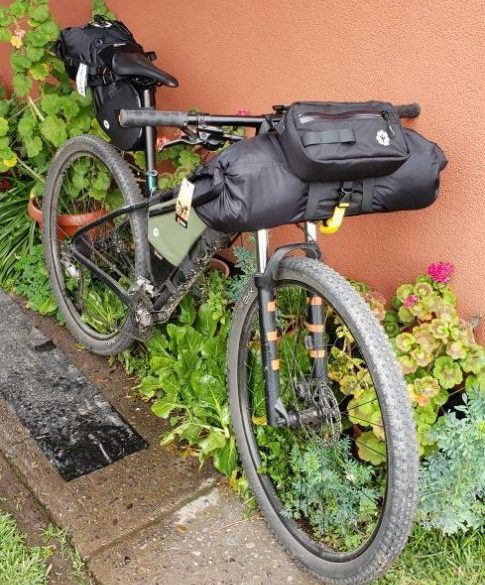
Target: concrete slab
{"type": "Point", "coordinates": [206, 542]}
{"type": "Point", "coordinates": [107, 505]}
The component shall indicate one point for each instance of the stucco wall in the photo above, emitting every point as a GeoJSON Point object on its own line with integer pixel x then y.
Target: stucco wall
{"type": "Point", "coordinates": [252, 54]}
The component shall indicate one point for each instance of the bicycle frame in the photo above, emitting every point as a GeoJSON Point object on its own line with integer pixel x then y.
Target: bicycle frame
{"type": "Point", "coordinates": [151, 304]}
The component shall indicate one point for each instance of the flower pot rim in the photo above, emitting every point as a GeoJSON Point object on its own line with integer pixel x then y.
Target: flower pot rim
{"type": "Point", "coordinates": [36, 213]}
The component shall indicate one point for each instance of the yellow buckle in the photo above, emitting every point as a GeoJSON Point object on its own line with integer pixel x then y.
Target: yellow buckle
{"type": "Point", "coordinates": [332, 225]}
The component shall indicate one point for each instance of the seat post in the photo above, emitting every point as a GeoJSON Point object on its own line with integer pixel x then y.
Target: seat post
{"type": "Point", "coordinates": [150, 145]}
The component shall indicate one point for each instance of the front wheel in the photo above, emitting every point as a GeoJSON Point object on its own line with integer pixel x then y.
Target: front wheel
{"type": "Point", "coordinates": [339, 487]}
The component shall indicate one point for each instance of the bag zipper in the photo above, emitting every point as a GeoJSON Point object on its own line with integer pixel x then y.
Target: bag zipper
{"type": "Point", "coordinates": [353, 114]}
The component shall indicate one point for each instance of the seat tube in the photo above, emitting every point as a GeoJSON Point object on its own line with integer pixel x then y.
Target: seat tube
{"type": "Point", "coordinates": [150, 146]}
{"type": "Point", "coordinates": [315, 324]}
{"type": "Point", "coordinates": [268, 330]}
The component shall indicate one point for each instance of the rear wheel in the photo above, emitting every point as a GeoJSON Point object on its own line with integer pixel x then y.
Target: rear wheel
{"type": "Point", "coordinates": [339, 486]}
{"type": "Point", "coordinates": [88, 178]}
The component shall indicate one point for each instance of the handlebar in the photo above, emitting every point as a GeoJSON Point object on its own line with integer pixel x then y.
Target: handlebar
{"type": "Point", "coordinates": [147, 117]}
{"type": "Point", "coordinates": [139, 118]}
{"type": "Point", "coordinates": [409, 110]}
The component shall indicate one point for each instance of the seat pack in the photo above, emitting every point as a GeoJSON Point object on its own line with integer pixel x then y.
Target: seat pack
{"type": "Point", "coordinates": [105, 56]}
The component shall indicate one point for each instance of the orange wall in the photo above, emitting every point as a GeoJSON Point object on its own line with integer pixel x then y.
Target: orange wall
{"type": "Point", "coordinates": [251, 54]}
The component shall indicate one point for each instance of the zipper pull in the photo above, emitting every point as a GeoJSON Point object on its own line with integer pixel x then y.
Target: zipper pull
{"type": "Point", "coordinates": [390, 129]}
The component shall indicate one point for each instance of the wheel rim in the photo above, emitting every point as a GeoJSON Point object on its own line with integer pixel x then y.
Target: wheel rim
{"type": "Point", "coordinates": [315, 476]}
{"type": "Point", "coordinates": [84, 191]}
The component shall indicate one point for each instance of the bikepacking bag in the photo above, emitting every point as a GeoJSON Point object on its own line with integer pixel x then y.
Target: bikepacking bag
{"type": "Point", "coordinates": [87, 53]}
{"type": "Point", "coordinates": [339, 141]}
{"type": "Point", "coordinates": [249, 186]}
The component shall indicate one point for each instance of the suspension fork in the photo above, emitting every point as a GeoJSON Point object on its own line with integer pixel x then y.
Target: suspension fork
{"type": "Point", "coordinates": [315, 323]}
{"type": "Point", "coordinates": [265, 278]}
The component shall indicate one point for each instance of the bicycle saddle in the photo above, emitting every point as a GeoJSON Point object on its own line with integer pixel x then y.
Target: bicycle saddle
{"type": "Point", "coordinates": [137, 64]}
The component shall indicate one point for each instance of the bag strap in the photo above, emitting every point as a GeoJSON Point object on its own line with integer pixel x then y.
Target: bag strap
{"type": "Point", "coordinates": [367, 195]}
{"type": "Point", "coordinates": [328, 137]}
{"type": "Point", "coordinates": [314, 189]}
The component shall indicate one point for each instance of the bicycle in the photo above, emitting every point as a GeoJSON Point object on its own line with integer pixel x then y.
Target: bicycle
{"type": "Point", "coordinates": [320, 410]}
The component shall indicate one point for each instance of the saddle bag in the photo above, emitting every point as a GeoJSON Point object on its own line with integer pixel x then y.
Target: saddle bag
{"type": "Point", "coordinates": [249, 186]}
{"type": "Point", "coordinates": [338, 141]}
{"type": "Point", "coordinates": [87, 53]}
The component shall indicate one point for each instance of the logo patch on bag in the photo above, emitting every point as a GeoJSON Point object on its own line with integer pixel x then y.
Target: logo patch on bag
{"type": "Point", "coordinates": [382, 138]}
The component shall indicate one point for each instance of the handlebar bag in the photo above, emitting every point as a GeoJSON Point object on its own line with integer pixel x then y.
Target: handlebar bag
{"type": "Point", "coordinates": [93, 46]}
{"type": "Point", "coordinates": [249, 186]}
{"type": "Point", "coordinates": [340, 141]}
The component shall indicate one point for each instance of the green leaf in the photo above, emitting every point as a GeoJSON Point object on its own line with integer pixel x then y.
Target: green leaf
{"type": "Point", "coordinates": [50, 103]}
{"type": "Point", "coordinates": [39, 13]}
{"type": "Point", "coordinates": [20, 61]}
{"type": "Point", "coordinates": [215, 440]}
{"type": "Point", "coordinates": [18, 8]}
{"type": "Point", "coordinates": [188, 312]}
{"type": "Point", "coordinates": [33, 146]}
{"type": "Point", "coordinates": [5, 34]}
{"type": "Point", "coordinates": [225, 459]}
{"type": "Point", "coordinates": [3, 126]}
{"type": "Point", "coordinates": [69, 107]}
{"type": "Point", "coordinates": [36, 38]}
{"type": "Point", "coordinates": [34, 53]}
{"type": "Point", "coordinates": [26, 125]}
{"type": "Point", "coordinates": [447, 372]}
{"type": "Point", "coordinates": [371, 448]}
{"type": "Point", "coordinates": [54, 130]}
{"type": "Point", "coordinates": [39, 71]}
{"type": "Point", "coordinates": [22, 84]}
{"type": "Point", "coordinates": [50, 30]}
{"type": "Point", "coordinates": [162, 407]}
{"type": "Point", "coordinates": [205, 323]}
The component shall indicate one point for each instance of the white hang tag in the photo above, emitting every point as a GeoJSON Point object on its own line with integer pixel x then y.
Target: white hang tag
{"type": "Point", "coordinates": [82, 79]}
{"type": "Point", "coordinates": [183, 205]}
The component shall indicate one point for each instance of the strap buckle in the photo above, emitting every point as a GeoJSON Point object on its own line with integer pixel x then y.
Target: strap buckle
{"type": "Point", "coordinates": [332, 225]}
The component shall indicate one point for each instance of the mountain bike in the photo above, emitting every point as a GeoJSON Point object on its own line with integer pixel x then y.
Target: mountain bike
{"type": "Point", "coordinates": [320, 409]}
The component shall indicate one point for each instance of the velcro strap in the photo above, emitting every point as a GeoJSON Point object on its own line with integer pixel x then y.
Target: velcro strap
{"type": "Point", "coordinates": [367, 195]}
{"type": "Point", "coordinates": [328, 136]}
{"type": "Point", "coordinates": [311, 208]}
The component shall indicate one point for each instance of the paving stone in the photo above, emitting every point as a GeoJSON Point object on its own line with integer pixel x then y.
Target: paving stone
{"type": "Point", "coordinates": [206, 542]}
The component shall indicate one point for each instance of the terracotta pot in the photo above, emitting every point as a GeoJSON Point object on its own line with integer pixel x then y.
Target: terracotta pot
{"type": "Point", "coordinates": [67, 224]}
{"type": "Point", "coordinates": [220, 265]}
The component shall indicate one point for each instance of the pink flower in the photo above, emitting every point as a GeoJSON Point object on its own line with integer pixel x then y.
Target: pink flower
{"type": "Point", "coordinates": [410, 300]}
{"type": "Point", "coordinates": [441, 271]}
{"type": "Point", "coordinates": [242, 112]}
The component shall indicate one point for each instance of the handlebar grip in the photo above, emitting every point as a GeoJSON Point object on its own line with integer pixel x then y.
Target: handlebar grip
{"type": "Point", "coordinates": [409, 110]}
{"type": "Point", "coordinates": [140, 118]}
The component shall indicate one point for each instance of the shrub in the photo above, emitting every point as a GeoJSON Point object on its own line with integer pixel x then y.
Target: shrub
{"type": "Point", "coordinates": [436, 349]}
{"type": "Point", "coordinates": [453, 478]}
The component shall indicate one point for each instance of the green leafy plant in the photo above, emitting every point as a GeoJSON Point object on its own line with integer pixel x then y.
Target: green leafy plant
{"type": "Point", "coordinates": [17, 234]}
{"type": "Point", "coordinates": [33, 282]}
{"type": "Point", "coordinates": [187, 379]}
{"type": "Point", "coordinates": [453, 478]}
{"type": "Point", "coordinates": [246, 264]}
{"type": "Point", "coordinates": [437, 350]}
{"type": "Point", "coordinates": [34, 121]}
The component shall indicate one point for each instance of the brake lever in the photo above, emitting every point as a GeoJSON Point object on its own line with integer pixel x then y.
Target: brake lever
{"type": "Point", "coordinates": [191, 141]}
